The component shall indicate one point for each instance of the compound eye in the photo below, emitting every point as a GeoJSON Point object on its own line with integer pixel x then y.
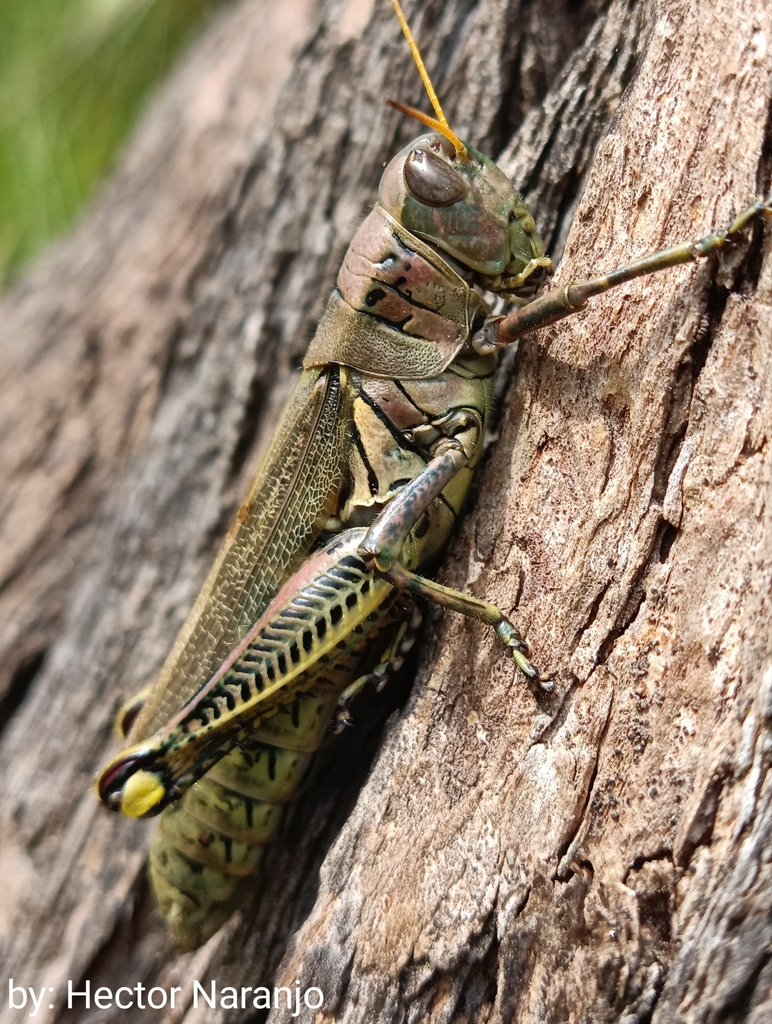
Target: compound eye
{"type": "Point", "coordinates": [431, 181]}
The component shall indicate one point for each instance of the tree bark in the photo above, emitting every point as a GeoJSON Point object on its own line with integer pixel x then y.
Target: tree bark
{"type": "Point", "coordinates": [597, 855]}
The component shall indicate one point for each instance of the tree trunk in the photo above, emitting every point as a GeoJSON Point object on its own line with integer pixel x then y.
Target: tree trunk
{"type": "Point", "coordinates": [597, 855]}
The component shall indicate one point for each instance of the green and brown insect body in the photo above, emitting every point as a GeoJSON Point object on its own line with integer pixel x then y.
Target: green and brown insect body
{"type": "Point", "coordinates": [312, 637]}
{"type": "Point", "coordinates": [357, 494]}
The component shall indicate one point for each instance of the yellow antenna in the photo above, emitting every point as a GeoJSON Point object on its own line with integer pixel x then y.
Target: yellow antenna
{"type": "Point", "coordinates": [441, 124]}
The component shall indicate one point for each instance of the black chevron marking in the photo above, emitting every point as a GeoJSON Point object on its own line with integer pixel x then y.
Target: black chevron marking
{"type": "Point", "coordinates": [250, 656]}
{"type": "Point", "coordinates": [395, 432]}
{"type": "Point", "coordinates": [372, 479]}
{"type": "Point", "coordinates": [352, 562]}
{"type": "Point", "coordinates": [344, 574]}
{"type": "Point", "coordinates": [293, 613]}
{"type": "Point", "coordinates": [408, 396]}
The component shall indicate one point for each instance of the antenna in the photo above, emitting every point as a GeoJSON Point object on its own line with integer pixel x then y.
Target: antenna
{"type": "Point", "coordinates": [441, 123]}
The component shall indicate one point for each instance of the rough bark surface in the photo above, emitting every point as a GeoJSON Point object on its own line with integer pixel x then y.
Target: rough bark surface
{"type": "Point", "coordinates": [594, 856]}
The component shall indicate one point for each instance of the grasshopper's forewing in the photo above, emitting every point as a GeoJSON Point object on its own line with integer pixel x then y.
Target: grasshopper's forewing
{"type": "Point", "coordinates": [292, 495]}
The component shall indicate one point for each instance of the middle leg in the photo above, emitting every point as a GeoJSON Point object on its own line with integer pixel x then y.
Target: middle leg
{"type": "Point", "coordinates": [384, 541]}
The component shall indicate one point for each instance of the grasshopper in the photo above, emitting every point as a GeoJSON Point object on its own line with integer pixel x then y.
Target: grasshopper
{"type": "Point", "coordinates": [311, 595]}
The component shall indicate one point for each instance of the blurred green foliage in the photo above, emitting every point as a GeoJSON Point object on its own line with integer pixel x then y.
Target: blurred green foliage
{"type": "Point", "coordinates": [73, 76]}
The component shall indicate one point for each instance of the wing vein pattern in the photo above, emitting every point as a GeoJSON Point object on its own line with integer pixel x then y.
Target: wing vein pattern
{"type": "Point", "coordinates": [291, 496]}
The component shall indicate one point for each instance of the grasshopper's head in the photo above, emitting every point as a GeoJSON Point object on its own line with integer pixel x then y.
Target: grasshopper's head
{"type": "Point", "coordinates": [459, 201]}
